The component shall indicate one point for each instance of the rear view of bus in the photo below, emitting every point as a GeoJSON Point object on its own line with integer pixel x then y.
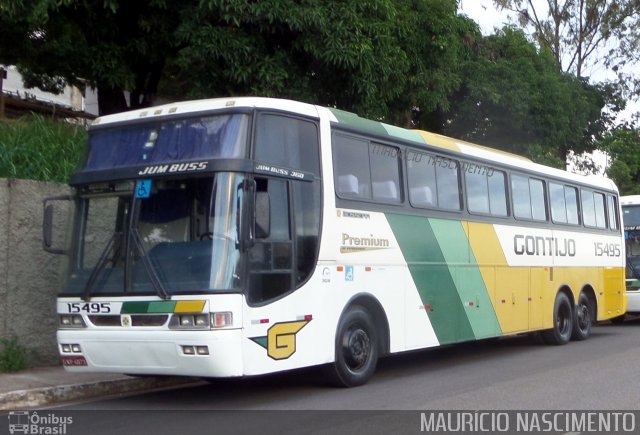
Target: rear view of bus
{"type": "Point", "coordinates": [631, 220]}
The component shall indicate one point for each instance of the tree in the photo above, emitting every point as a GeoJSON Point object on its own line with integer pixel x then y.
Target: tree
{"type": "Point", "coordinates": [514, 98]}
{"type": "Point", "coordinates": [579, 32]}
{"type": "Point", "coordinates": [623, 147]}
{"type": "Point", "coordinates": [114, 45]}
{"type": "Point", "coordinates": [379, 58]}
{"type": "Point", "coordinates": [376, 57]}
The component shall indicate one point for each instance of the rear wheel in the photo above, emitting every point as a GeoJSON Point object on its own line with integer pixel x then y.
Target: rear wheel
{"type": "Point", "coordinates": [356, 349]}
{"type": "Point", "coordinates": [562, 322]}
{"type": "Point", "coordinates": [583, 318]}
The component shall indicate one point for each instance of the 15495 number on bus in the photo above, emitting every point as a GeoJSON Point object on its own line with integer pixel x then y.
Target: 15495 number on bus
{"type": "Point", "coordinates": [607, 249]}
{"type": "Point", "coordinates": [89, 307]}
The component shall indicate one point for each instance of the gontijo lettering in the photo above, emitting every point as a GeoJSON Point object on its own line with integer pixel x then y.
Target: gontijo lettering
{"type": "Point", "coordinates": [543, 246]}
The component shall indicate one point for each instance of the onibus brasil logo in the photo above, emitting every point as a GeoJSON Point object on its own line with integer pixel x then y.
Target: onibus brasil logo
{"type": "Point", "coordinates": [33, 423]}
{"type": "Point", "coordinates": [280, 340]}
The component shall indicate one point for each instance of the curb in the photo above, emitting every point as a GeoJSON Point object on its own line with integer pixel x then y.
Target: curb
{"type": "Point", "coordinates": [62, 393]}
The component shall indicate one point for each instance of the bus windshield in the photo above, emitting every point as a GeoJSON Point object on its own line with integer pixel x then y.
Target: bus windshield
{"type": "Point", "coordinates": [182, 237]}
{"type": "Point", "coordinates": [219, 136]}
{"type": "Point", "coordinates": [631, 216]}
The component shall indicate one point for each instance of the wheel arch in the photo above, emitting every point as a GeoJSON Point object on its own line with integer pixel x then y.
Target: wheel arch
{"type": "Point", "coordinates": [374, 307]}
{"type": "Point", "coordinates": [567, 291]}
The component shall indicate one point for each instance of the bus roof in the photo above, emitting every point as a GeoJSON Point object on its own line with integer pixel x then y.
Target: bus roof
{"type": "Point", "coordinates": [630, 200]}
{"type": "Point", "coordinates": [352, 120]}
{"type": "Point", "coordinates": [466, 148]}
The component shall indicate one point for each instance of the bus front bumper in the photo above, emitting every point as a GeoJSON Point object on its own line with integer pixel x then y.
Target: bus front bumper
{"type": "Point", "coordinates": [182, 353]}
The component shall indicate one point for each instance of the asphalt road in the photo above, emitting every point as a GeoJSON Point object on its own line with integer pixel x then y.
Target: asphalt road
{"type": "Point", "coordinates": [601, 373]}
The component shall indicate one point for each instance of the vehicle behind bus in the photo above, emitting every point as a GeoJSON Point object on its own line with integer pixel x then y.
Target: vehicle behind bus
{"type": "Point", "coordinates": [631, 220]}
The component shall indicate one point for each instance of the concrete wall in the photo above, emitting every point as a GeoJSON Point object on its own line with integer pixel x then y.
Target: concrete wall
{"type": "Point", "coordinates": [29, 277]}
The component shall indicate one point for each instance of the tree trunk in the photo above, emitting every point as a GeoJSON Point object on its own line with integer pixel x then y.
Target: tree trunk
{"type": "Point", "coordinates": [111, 101]}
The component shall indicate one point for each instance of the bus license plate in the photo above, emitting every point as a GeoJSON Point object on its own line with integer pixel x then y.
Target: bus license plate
{"type": "Point", "coordinates": [73, 361]}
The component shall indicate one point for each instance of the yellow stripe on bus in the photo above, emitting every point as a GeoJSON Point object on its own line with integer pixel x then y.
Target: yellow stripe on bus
{"type": "Point", "coordinates": [189, 306]}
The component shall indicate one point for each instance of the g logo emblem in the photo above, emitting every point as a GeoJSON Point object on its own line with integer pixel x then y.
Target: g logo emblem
{"type": "Point", "coordinates": [280, 341]}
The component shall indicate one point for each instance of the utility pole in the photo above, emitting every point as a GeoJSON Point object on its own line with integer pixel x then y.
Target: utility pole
{"type": "Point", "coordinates": [3, 75]}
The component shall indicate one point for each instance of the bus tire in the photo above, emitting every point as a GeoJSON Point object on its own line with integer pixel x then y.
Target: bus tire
{"type": "Point", "coordinates": [356, 349]}
{"type": "Point", "coordinates": [583, 318]}
{"type": "Point", "coordinates": [562, 322]}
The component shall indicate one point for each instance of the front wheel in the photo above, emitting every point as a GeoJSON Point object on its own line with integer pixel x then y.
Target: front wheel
{"type": "Point", "coordinates": [562, 322]}
{"type": "Point", "coordinates": [356, 349]}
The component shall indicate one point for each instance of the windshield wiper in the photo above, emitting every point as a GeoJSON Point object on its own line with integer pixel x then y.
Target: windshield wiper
{"type": "Point", "coordinates": [151, 271]}
{"type": "Point", "coordinates": [114, 244]}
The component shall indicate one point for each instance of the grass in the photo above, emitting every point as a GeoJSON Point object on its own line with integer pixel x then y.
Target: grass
{"type": "Point", "coordinates": [13, 356]}
{"type": "Point", "coordinates": [38, 148]}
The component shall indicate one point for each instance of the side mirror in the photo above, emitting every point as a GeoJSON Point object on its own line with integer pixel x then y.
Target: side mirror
{"type": "Point", "coordinates": [263, 215]}
{"type": "Point", "coordinates": [47, 223]}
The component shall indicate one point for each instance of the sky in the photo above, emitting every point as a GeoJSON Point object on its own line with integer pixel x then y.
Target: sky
{"type": "Point", "coordinates": [489, 18]}
{"type": "Point", "coordinates": [486, 15]}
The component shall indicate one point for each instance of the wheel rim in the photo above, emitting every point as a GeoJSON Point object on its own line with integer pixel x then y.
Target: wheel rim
{"type": "Point", "coordinates": [356, 348]}
{"type": "Point", "coordinates": [563, 322]}
{"type": "Point", "coordinates": [584, 317]}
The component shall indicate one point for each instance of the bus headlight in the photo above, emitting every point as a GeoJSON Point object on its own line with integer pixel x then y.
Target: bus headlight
{"type": "Point", "coordinates": [71, 321]}
{"type": "Point", "coordinates": [189, 321]}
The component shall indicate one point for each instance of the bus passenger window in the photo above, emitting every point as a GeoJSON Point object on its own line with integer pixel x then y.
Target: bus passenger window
{"type": "Point", "coordinates": [348, 185]}
{"type": "Point", "coordinates": [497, 193]}
{"type": "Point", "coordinates": [477, 193]}
{"type": "Point", "coordinates": [588, 208]}
{"type": "Point", "coordinates": [601, 221]}
{"type": "Point", "coordinates": [528, 198]}
{"type": "Point", "coordinates": [433, 181]}
{"type": "Point", "coordinates": [612, 206]}
{"type": "Point", "coordinates": [385, 172]}
{"type": "Point", "coordinates": [448, 185]}
{"type": "Point", "coordinates": [486, 191]}
{"type": "Point", "coordinates": [571, 196]}
{"type": "Point", "coordinates": [351, 165]}
{"type": "Point", "coordinates": [521, 197]}
{"type": "Point", "coordinates": [558, 203]}
{"type": "Point", "coordinates": [421, 196]}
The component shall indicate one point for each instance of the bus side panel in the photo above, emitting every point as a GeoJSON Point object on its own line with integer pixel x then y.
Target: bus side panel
{"type": "Point", "coordinates": [510, 287]}
{"type": "Point", "coordinates": [564, 259]}
{"type": "Point", "coordinates": [373, 263]}
{"type": "Point", "coordinates": [451, 288]}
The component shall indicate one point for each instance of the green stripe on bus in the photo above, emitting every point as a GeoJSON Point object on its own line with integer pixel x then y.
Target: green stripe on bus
{"type": "Point", "coordinates": [148, 307]}
{"type": "Point", "coordinates": [471, 287]}
{"type": "Point", "coordinates": [353, 120]}
{"type": "Point", "coordinates": [432, 277]}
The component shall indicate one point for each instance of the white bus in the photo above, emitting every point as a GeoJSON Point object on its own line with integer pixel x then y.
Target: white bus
{"type": "Point", "coordinates": [242, 236]}
{"type": "Point", "coordinates": [631, 221]}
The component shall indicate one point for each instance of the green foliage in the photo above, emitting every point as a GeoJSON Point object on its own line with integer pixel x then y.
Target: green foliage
{"type": "Point", "coordinates": [40, 149]}
{"type": "Point", "coordinates": [115, 45]}
{"type": "Point", "coordinates": [414, 63]}
{"type": "Point", "coordinates": [514, 98]}
{"type": "Point", "coordinates": [623, 147]}
{"type": "Point", "coordinates": [13, 356]}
